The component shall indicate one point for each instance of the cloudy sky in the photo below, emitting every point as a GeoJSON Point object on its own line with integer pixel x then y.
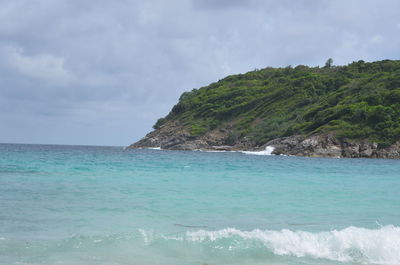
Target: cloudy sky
{"type": "Point", "coordinates": [102, 72]}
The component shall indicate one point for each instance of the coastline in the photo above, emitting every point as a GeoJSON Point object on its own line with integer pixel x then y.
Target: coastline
{"type": "Point", "coordinates": [172, 136]}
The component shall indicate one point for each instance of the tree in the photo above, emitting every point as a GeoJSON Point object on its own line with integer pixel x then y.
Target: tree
{"type": "Point", "coordinates": [329, 63]}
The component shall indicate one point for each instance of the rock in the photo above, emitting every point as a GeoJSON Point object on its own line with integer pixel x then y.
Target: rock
{"type": "Point", "coordinates": [174, 136]}
{"type": "Point", "coordinates": [329, 146]}
{"type": "Point", "coordinates": [222, 148]}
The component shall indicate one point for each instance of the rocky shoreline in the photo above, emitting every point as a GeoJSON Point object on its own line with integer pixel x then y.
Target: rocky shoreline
{"type": "Point", "coordinates": [173, 136]}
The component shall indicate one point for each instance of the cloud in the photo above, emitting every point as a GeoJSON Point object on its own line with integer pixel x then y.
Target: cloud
{"type": "Point", "coordinates": [223, 4]}
{"type": "Point", "coordinates": [45, 67]}
{"type": "Point", "coordinates": [106, 70]}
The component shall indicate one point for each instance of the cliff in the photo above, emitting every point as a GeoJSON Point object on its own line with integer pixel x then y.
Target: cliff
{"type": "Point", "coordinates": [334, 111]}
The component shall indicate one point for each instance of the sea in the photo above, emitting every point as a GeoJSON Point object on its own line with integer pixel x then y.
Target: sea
{"type": "Point", "coordinates": [70, 205]}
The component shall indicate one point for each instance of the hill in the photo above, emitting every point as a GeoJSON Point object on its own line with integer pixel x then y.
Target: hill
{"type": "Point", "coordinates": [337, 107]}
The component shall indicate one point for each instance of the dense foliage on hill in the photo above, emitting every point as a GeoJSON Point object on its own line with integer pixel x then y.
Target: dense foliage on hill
{"type": "Point", "coordinates": [357, 101]}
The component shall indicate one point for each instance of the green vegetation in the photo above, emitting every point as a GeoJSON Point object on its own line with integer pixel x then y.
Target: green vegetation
{"type": "Point", "coordinates": [357, 101]}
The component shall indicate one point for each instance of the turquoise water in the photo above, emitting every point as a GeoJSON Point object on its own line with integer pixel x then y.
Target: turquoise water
{"type": "Point", "coordinates": [106, 205]}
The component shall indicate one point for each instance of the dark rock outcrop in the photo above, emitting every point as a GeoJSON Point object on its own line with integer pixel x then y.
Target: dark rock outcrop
{"type": "Point", "coordinates": [174, 136]}
{"type": "Point", "coordinates": [329, 146]}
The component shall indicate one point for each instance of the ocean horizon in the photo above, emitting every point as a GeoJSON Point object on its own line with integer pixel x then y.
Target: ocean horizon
{"type": "Point", "coordinates": [253, 132]}
{"type": "Point", "coordinates": [63, 204]}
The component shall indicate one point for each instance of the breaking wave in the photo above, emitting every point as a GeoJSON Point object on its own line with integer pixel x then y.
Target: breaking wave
{"type": "Point", "coordinates": [268, 151]}
{"type": "Point", "coordinates": [352, 244]}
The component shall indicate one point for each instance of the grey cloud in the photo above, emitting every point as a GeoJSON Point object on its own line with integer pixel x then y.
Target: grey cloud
{"type": "Point", "coordinates": [102, 72]}
{"type": "Point", "coordinates": [223, 4]}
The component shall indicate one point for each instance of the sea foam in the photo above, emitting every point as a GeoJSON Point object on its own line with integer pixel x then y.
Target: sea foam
{"type": "Point", "coordinates": [268, 151]}
{"type": "Point", "coordinates": [352, 244]}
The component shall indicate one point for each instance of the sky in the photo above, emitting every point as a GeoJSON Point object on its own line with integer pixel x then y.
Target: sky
{"type": "Point", "coordinates": [102, 72]}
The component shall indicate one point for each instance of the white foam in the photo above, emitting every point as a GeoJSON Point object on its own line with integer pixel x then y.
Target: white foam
{"type": "Point", "coordinates": [352, 244]}
{"type": "Point", "coordinates": [147, 236]}
{"type": "Point", "coordinates": [154, 148]}
{"type": "Point", "coordinates": [268, 151]}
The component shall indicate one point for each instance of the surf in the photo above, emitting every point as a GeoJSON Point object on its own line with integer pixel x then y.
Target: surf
{"type": "Point", "coordinates": [351, 244]}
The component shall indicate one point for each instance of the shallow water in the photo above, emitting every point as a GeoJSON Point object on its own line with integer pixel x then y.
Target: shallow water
{"type": "Point", "coordinates": [106, 205]}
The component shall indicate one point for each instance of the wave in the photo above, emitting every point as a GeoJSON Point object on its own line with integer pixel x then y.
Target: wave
{"type": "Point", "coordinates": [268, 151]}
{"type": "Point", "coordinates": [352, 244]}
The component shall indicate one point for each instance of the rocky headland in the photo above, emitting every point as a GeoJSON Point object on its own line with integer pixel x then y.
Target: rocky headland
{"type": "Point", "coordinates": [332, 111]}
{"type": "Point", "coordinates": [172, 136]}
